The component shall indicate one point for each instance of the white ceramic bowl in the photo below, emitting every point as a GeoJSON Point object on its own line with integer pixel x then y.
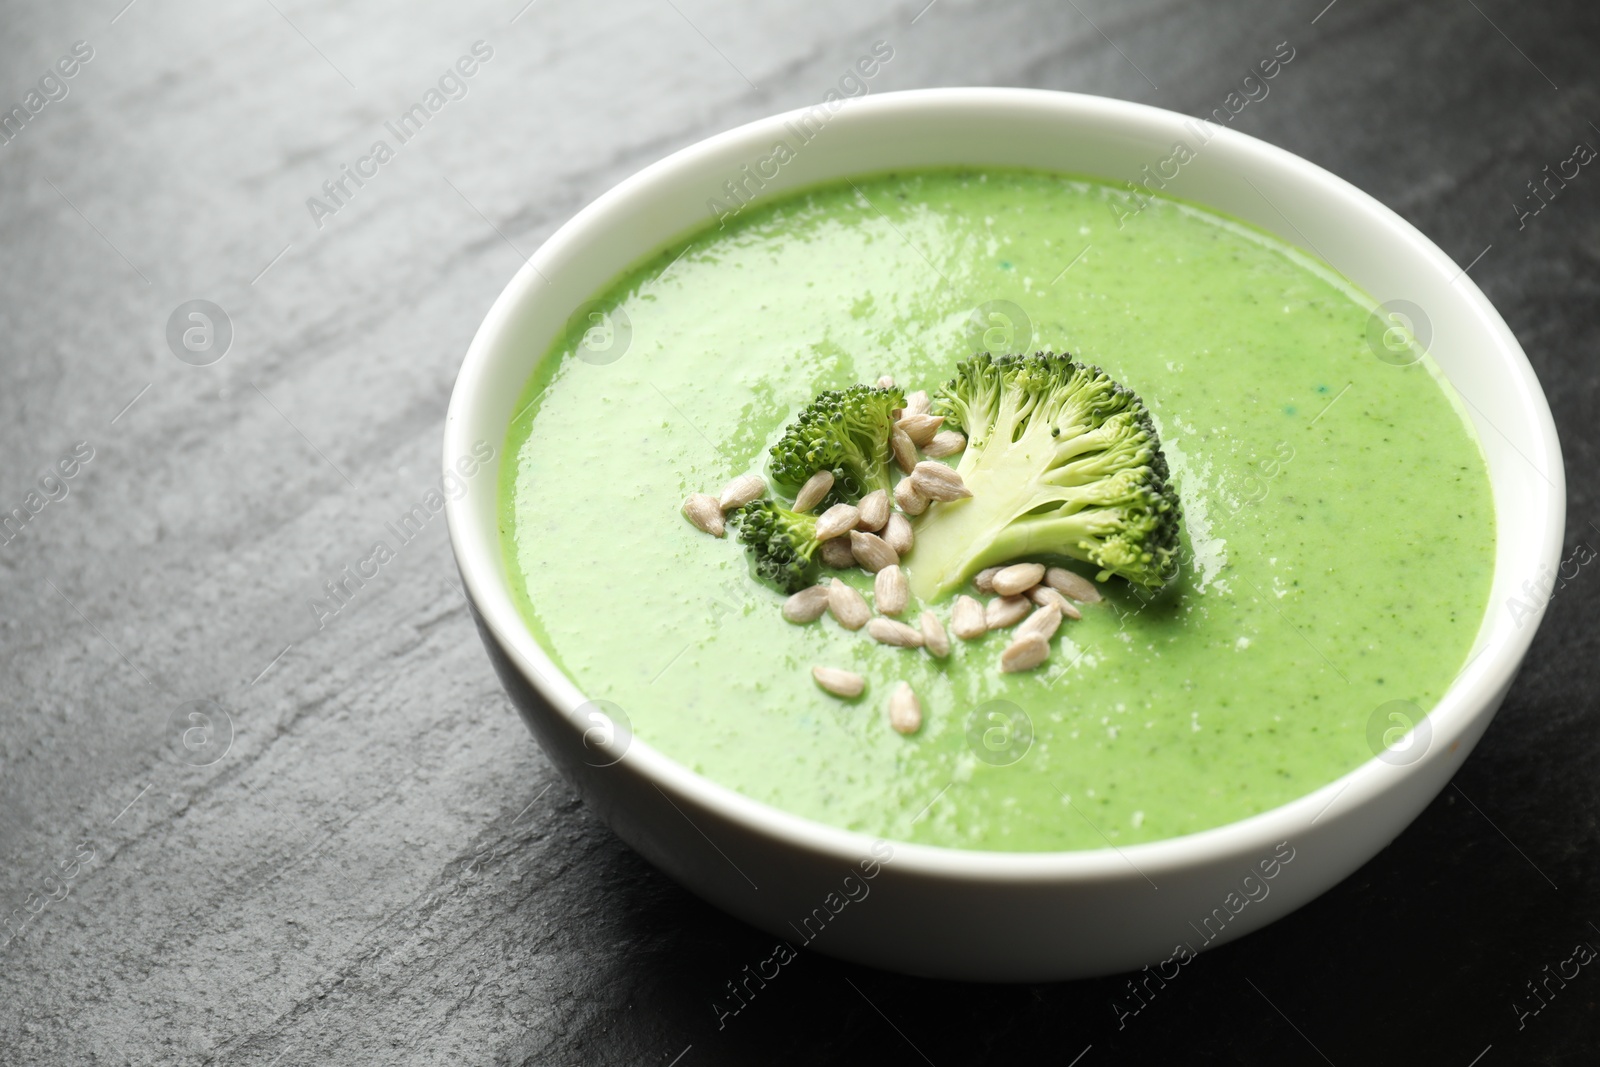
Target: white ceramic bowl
{"type": "Point", "coordinates": [994, 915]}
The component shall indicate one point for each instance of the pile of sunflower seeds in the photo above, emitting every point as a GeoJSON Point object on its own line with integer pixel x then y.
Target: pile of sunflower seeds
{"type": "Point", "coordinates": [874, 535]}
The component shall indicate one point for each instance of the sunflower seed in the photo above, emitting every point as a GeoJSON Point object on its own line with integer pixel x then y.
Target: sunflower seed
{"type": "Point", "coordinates": [938, 482]}
{"type": "Point", "coordinates": [848, 607]}
{"type": "Point", "coordinates": [741, 491]}
{"type": "Point", "coordinates": [897, 534]}
{"type": "Point", "coordinates": [1024, 654]}
{"type": "Point", "coordinates": [944, 443]}
{"type": "Point", "coordinates": [811, 493]}
{"type": "Point", "coordinates": [916, 403]}
{"type": "Point", "coordinates": [967, 619]}
{"type": "Point", "coordinates": [909, 498]}
{"type": "Point", "coordinates": [934, 638]}
{"type": "Point", "coordinates": [889, 591]}
{"type": "Point", "coordinates": [890, 632]}
{"type": "Point", "coordinates": [839, 519]}
{"type": "Point", "coordinates": [1046, 597]}
{"type": "Point", "coordinates": [874, 508]}
{"type": "Point", "coordinates": [807, 605]}
{"type": "Point", "coordinates": [871, 551]}
{"type": "Point", "coordinates": [905, 453]}
{"type": "Point", "coordinates": [1005, 611]}
{"type": "Point", "coordinates": [1072, 584]}
{"type": "Point", "coordinates": [905, 710]}
{"type": "Point", "coordinates": [1044, 622]}
{"type": "Point", "coordinates": [840, 683]}
{"type": "Point", "coordinates": [1017, 578]}
{"type": "Point", "coordinates": [703, 510]}
{"type": "Point", "coordinates": [985, 579]}
{"type": "Point", "coordinates": [920, 428]}
{"type": "Point", "coordinates": [886, 382]}
{"type": "Point", "coordinates": [836, 554]}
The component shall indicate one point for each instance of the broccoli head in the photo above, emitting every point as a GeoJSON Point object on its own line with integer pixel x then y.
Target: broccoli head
{"type": "Point", "coordinates": [845, 431]}
{"type": "Point", "coordinates": [781, 543]}
{"type": "Point", "coordinates": [1061, 461]}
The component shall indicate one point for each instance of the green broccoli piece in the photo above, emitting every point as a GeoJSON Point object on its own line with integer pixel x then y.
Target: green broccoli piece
{"type": "Point", "coordinates": [781, 543]}
{"type": "Point", "coordinates": [845, 431]}
{"type": "Point", "coordinates": [1061, 461]}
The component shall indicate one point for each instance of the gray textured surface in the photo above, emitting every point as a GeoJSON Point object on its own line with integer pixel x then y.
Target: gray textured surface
{"type": "Point", "coordinates": [381, 867]}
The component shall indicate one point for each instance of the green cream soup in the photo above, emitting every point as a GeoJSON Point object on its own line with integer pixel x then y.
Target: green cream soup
{"type": "Point", "coordinates": [1338, 528]}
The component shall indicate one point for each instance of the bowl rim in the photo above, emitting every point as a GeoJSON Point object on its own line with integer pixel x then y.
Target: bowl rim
{"type": "Point", "coordinates": [1469, 697]}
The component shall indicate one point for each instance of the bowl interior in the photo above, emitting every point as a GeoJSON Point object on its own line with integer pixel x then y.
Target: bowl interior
{"type": "Point", "coordinates": [1113, 140]}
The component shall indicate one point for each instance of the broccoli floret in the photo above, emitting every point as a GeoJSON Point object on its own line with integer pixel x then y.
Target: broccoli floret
{"type": "Point", "coordinates": [781, 543]}
{"type": "Point", "coordinates": [845, 431]}
{"type": "Point", "coordinates": [1061, 461]}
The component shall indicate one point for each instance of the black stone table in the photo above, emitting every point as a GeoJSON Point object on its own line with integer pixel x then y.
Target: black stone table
{"type": "Point", "coordinates": [235, 832]}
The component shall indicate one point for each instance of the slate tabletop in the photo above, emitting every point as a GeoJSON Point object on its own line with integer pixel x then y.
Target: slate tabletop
{"type": "Point", "coordinates": [234, 832]}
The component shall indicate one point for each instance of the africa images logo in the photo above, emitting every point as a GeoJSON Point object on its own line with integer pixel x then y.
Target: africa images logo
{"type": "Point", "coordinates": [453, 84]}
{"type": "Point", "coordinates": [51, 87]}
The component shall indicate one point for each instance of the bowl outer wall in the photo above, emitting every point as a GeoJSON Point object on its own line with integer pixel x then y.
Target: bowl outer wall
{"type": "Point", "coordinates": [984, 915]}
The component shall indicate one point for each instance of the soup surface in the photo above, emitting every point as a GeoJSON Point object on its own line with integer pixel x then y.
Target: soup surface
{"type": "Point", "coordinates": [1339, 532]}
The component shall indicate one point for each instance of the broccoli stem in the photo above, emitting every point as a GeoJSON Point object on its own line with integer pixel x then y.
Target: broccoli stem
{"type": "Point", "coordinates": [958, 538]}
